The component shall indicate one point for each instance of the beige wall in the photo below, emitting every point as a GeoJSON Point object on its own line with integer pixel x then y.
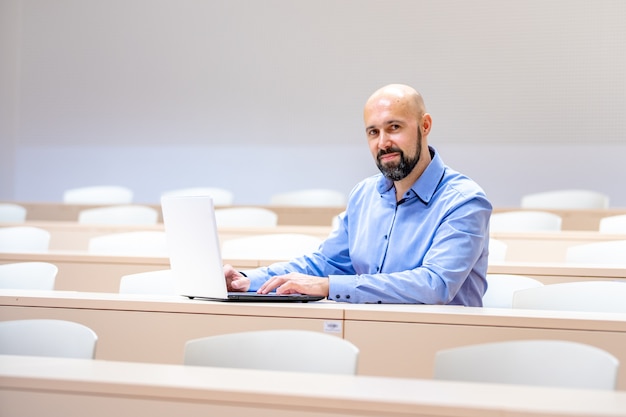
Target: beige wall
{"type": "Point", "coordinates": [265, 97]}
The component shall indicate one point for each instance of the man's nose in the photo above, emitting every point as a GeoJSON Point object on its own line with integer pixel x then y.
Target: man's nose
{"type": "Point", "coordinates": [383, 140]}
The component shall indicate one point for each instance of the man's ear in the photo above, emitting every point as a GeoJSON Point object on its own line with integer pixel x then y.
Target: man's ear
{"type": "Point", "coordinates": [427, 123]}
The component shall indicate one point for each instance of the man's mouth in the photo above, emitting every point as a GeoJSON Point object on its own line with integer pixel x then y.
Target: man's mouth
{"type": "Point", "coordinates": [388, 156]}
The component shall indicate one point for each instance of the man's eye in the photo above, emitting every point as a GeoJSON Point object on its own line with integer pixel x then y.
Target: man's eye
{"type": "Point", "coordinates": [394, 127]}
{"type": "Point", "coordinates": [372, 132]}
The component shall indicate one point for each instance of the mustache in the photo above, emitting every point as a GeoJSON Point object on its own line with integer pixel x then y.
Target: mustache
{"type": "Point", "coordinates": [388, 150]}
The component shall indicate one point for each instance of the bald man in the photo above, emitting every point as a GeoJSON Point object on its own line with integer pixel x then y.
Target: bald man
{"type": "Point", "coordinates": [416, 233]}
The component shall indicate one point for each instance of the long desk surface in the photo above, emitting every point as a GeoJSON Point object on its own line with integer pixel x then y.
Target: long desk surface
{"type": "Point", "coordinates": [521, 246]}
{"type": "Point", "coordinates": [572, 219]}
{"type": "Point", "coordinates": [81, 271]}
{"type": "Point", "coordinates": [287, 215]}
{"type": "Point", "coordinates": [73, 236]}
{"type": "Point", "coordinates": [394, 340]}
{"type": "Point", "coordinates": [548, 246]}
{"type": "Point", "coordinates": [64, 387]}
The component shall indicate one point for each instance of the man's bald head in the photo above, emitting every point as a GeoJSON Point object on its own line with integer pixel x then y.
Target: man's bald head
{"type": "Point", "coordinates": [399, 94]}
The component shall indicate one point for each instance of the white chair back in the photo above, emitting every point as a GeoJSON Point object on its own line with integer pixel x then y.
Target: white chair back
{"type": "Point", "coordinates": [278, 246]}
{"type": "Point", "coordinates": [142, 243]}
{"type": "Point", "coordinates": [245, 217]}
{"type": "Point", "coordinates": [566, 199]}
{"type": "Point", "coordinates": [12, 213]}
{"type": "Point", "coordinates": [497, 250]}
{"type": "Point", "coordinates": [28, 275]}
{"type": "Point", "coordinates": [24, 239]}
{"type": "Point", "coordinates": [555, 363]}
{"type": "Point", "coordinates": [315, 197]}
{"type": "Point", "coordinates": [591, 296]}
{"type": "Point", "coordinates": [525, 221]}
{"type": "Point", "coordinates": [279, 350]}
{"type": "Point", "coordinates": [98, 194]}
{"type": "Point", "coordinates": [613, 224]}
{"type": "Point", "coordinates": [501, 287]}
{"type": "Point", "coordinates": [47, 337]}
{"type": "Point", "coordinates": [611, 252]}
{"type": "Point", "coordinates": [220, 196]}
{"type": "Point", "coordinates": [153, 283]}
{"type": "Point", "coordinates": [123, 214]}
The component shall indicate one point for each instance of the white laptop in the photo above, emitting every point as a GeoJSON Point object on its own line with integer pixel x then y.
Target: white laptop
{"type": "Point", "coordinates": [194, 252]}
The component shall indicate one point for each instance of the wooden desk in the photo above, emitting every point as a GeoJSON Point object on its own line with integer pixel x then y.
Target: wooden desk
{"type": "Point", "coordinates": [155, 328]}
{"type": "Point", "coordinates": [394, 340]}
{"type": "Point", "coordinates": [287, 215]}
{"type": "Point", "coordinates": [521, 246]}
{"type": "Point", "coordinates": [547, 246]}
{"type": "Point", "coordinates": [73, 236]}
{"type": "Point", "coordinates": [401, 340]}
{"type": "Point", "coordinates": [31, 386]}
{"type": "Point", "coordinates": [80, 271]}
{"type": "Point", "coordinates": [575, 219]}
{"type": "Point", "coordinates": [556, 272]}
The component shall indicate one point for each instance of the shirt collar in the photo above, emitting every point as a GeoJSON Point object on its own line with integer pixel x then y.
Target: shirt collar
{"type": "Point", "coordinates": [426, 184]}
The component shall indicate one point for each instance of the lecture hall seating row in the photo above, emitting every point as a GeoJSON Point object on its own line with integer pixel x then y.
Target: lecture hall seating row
{"type": "Point", "coordinates": [394, 340]}
{"type": "Point", "coordinates": [74, 387]}
{"type": "Point", "coordinates": [521, 246]}
{"type": "Point", "coordinates": [573, 219]}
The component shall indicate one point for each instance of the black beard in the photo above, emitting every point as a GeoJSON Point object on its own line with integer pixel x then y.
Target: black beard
{"type": "Point", "coordinates": [406, 165]}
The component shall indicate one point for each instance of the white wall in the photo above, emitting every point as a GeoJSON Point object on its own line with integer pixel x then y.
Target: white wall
{"type": "Point", "coordinates": [9, 46]}
{"type": "Point", "coordinates": [262, 97]}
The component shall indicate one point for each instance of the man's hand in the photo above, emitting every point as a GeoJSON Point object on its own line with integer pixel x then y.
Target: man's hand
{"type": "Point", "coordinates": [296, 283]}
{"type": "Point", "coordinates": [235, 281]}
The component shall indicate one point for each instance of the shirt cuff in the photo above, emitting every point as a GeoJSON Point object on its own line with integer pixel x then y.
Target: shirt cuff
{"type": "Point", "coordinates": [342, 288]}
{"type": "Point", "coordinates": [257, 278]}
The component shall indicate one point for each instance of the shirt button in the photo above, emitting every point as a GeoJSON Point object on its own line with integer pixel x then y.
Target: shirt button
{"type": "Point", "coordinates": [348, 297]}
{"type": "Point", "coordinates": [337, 296]}
{"type": "Point", "coordinates": [385, 237]}
{"type": "Point", "coordinates": [377, 268]}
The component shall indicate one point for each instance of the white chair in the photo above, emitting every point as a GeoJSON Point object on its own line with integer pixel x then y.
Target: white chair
{"type": "Point", "coordinates": [525, 221]}
{"type": "Point", "coordinates": [12, 213]}
{"type": "Point", "coordinates": [315, 197]}
{"type": "Point", "coordinates": [555, 363]}
{"type": "Point", "coordinates": [497, 250]}
{"type": "Point", "coordinates": [153, 282]}
{"type": "Point", "coordinates": [613, 224]}
{"type": "Point", "coordinates": [278, 246]}
{"type": "Point", "coordinates": [47, 337]}
{"type": "Point", "coordinates": [123, 214]}
{"type": "Point", "coordinates": [501, 287]}
{"type": "Point", "coordinates": [245, 217]}
{"type": "Point", "coordinates": [590, 296]}
{"type": "Point", "coordinates": [98, 194]}
{"type": "Point", "coordinates": [279, 350]}
{"type": "Point", "coordinates": [24, 239]}
{"type": "Point", "coordinates": [28, 275]}
{"type": "Point", "coordinates": [142, 243]}
{"type": "Point", "coordinates": [566, 199]}
{"type": "Point", "coordinates": [611, 252]}
{"type": "Point", "coordinates": [220, 196]}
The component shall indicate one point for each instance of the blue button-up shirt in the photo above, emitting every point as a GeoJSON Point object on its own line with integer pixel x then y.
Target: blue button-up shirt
{"type": "Point", "coordinates": [429, 248]}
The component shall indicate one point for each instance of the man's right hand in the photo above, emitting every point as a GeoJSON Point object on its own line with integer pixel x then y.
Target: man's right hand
{"type": "Point", "coordinates": [235, 280]}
